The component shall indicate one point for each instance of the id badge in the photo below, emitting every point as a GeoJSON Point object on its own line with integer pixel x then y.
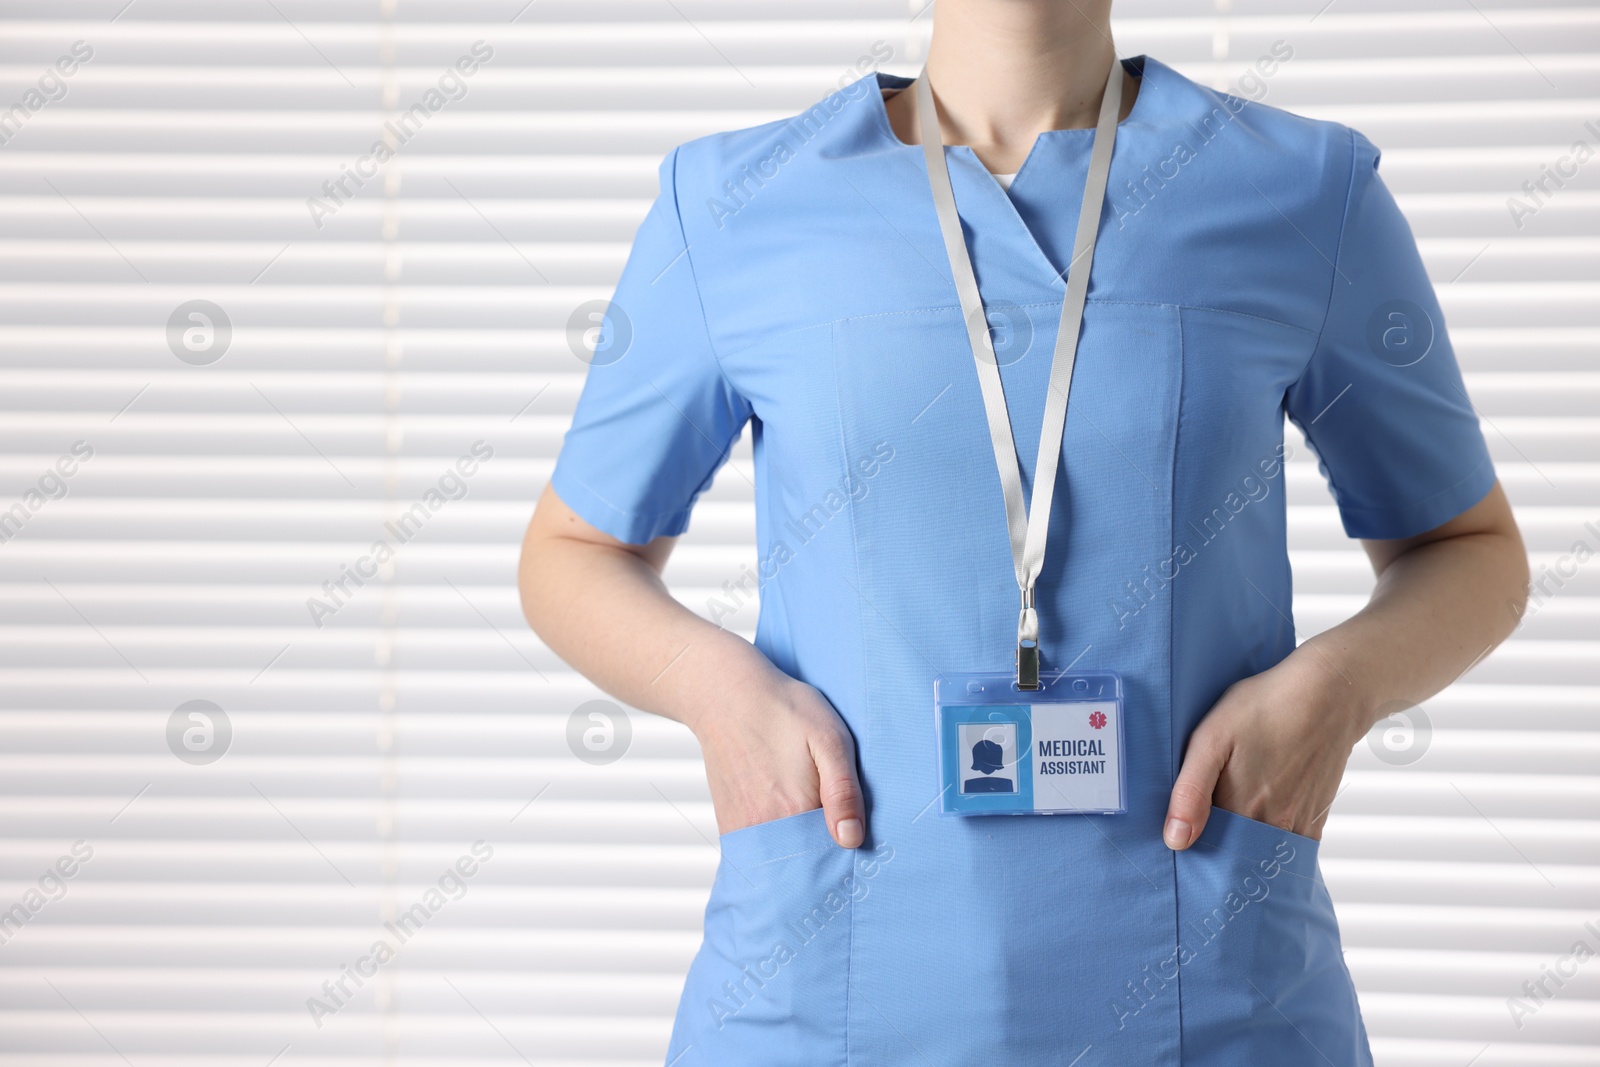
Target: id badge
{"type": "Point", "coordinates": [1050, 751]}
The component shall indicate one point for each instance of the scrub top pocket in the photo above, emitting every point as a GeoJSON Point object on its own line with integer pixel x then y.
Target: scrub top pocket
{"type": "Point", "coordinates": [1259, 949]}
{"type": "Point", "coordinates": [768, 985]}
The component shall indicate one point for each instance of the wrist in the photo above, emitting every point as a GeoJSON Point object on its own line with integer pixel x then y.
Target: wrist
{"type": "Point", "coordinates": [1335, 686]}
{"type": "Point", "coordinates": [726, 675]}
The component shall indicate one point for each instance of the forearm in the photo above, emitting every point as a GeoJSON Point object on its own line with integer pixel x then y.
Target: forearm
{"type": "Point", "coordinates": [1274, 746]}
{"type": "Point", "coordinates": [1437, 609]}
{"type": "Point", "coordinates": [605, 611]}
{"type": "Point", "coordinates": [773, 745]}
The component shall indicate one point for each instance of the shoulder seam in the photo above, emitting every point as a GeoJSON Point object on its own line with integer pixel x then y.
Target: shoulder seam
{"type": "Point", "coordinates": [1338, 254]}
{"type": "Point", "coordinates": [694, 278]}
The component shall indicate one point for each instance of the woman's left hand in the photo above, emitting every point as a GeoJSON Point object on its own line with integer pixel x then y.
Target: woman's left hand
{"type": "Point", "coordinates": [1273, 749]}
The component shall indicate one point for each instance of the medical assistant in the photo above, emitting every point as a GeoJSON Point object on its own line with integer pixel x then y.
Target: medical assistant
{"type": "Point", "coordinates": [1250, 266]}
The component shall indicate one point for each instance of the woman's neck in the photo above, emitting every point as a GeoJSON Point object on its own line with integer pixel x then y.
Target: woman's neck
{"type": "Point", "coordinates": [1006, 70]}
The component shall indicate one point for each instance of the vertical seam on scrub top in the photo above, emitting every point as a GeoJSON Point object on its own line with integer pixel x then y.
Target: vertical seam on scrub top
{"type": "Point", "coordinates": [1172, 535]}
{"type": "Point", "coordinates": [711, 342]}
{"type": "Point", "coordinates": [1172, 615]}
{"type": "Point", "coordinates": [861, 635]}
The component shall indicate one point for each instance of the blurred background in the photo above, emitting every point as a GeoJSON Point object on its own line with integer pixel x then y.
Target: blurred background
{"type": "Point", "coordinates": [275, 404]}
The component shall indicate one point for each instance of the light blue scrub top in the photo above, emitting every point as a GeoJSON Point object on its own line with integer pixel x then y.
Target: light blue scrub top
{"type": "Point", "coordinates": [1251, 265]}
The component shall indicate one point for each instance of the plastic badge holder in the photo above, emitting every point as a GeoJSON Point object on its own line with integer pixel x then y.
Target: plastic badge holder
{"type": "Point", "coordinates": [1055, 750]}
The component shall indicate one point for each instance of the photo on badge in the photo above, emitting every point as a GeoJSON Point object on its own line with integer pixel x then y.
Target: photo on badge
{"type": "Point", "coordinates": [993, 748]}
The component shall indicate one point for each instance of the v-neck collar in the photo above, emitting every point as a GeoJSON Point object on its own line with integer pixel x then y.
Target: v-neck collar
{"type": "Point", "coordinates": [965, 161]}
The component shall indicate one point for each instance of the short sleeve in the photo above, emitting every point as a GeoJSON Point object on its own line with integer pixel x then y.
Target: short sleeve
{"type": "Point", "coordinates": [1381, 399]}
{"type": "Point", "coordinates": [657, 417]}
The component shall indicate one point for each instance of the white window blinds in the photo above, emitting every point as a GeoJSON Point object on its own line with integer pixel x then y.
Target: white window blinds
{"type": "Point", "coordinates": [286, 296]}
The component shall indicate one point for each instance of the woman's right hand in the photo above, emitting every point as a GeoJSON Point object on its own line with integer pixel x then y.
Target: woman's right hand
{"type": "Point", "coordinates": [780, 749]}
{"type": "Point", "coordinates": [773, 745]}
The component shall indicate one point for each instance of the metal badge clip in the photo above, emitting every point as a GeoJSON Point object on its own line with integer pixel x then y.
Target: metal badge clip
{"type": "Point", "coordinates": [1028, 665]}
{"type": "Point", "coordinates": [1028, 643]}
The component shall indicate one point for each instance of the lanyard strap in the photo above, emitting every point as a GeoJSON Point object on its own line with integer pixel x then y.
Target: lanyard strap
{"type": "Point", "coordinates": [1027, 537]}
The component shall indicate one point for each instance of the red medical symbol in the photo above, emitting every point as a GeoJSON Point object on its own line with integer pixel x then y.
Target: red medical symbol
{"type": "Point", "coordinates": [1097, 719]}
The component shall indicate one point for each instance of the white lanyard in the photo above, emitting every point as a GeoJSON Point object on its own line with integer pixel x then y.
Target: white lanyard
{"type": "Point", "coordinates": [1027, 537]}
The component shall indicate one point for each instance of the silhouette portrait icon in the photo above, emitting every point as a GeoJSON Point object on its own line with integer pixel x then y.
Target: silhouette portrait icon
{"type": "Point", "coordinates": [989, 757]}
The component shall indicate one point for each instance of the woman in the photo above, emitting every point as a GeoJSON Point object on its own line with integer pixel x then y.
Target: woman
{"type": "Point", "coordinates": [809, 277]}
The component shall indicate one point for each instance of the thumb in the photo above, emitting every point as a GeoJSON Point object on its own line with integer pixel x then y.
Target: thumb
{"type": "Point", "coordinates": [840, 789]}
{"type": "Point", "coordinates": [1190, 805]}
